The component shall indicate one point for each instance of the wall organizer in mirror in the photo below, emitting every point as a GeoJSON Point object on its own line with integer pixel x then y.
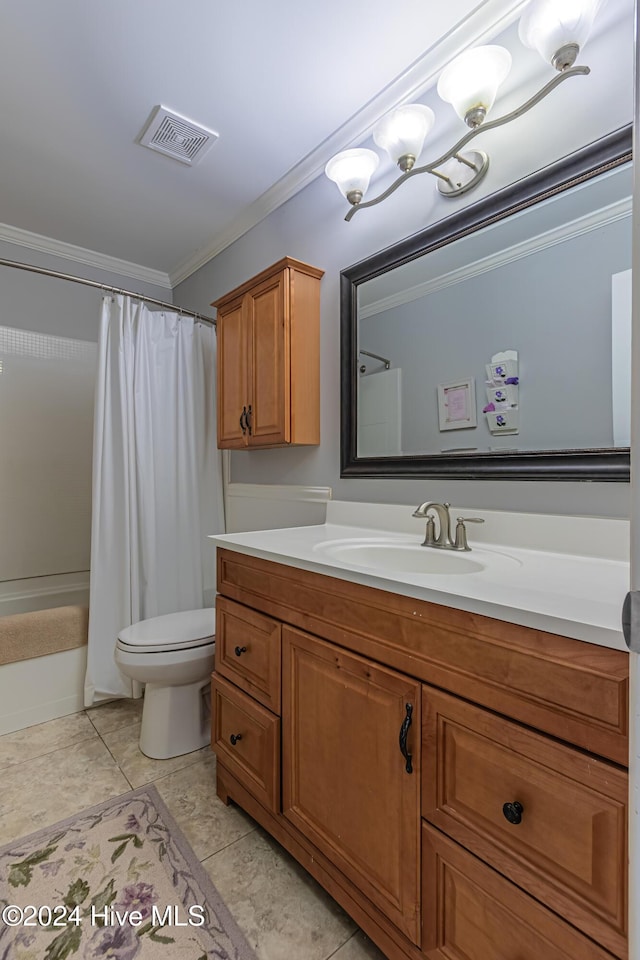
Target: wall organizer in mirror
{"type": "Point", "coordinates": [542, 268]}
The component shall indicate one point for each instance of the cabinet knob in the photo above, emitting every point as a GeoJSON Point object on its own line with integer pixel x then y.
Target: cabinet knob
{"type": "Point", "coordinates": [234, 738]}
{"type": "Point", "coordinates": [243, 420]}
{"type": "Point", "coordinates": [513, 811]}
{"type": "Point", "coordinates": [247, 419]}
{"type": "Point", "coordinates": [239, 651]}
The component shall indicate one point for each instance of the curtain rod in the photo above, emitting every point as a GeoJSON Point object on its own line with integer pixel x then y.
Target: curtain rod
{"type": "Point", "coordinates": [106, 288]}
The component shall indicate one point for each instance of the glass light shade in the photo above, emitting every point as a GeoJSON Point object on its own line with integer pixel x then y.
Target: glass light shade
{"type": "Point", "coordinates": [470, 82]}
{"type": "Point", "coordinates": [549, 25]}
{"type": "Point", "coordinates": [402, 132]}
{"type": "Point", "coordinates": [351, 170]}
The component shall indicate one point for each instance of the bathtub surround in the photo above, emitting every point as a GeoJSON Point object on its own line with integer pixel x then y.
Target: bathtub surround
{"type": "Point", "coordinates": [43, 593]}
{"type": "Point", "coordinates": [157, 485]}
{"type": "Point", "coordinates": [48, 424]}
{"type": "Point", "coordinates": [46, 397]}
{"type": "Point", "coordinates": [47, 486]}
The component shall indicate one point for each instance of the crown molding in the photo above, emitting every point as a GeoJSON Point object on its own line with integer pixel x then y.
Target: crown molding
{"type": "Point", "coordinates": [488, 20]}
{"type": "Point", "coordinates": [567, 231]}
{"type": "Point", "coordinates": [90, 258]}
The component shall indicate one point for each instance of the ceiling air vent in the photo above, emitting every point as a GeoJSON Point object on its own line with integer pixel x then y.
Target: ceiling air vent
{"type": "Point", "coordinates": [176, 136]}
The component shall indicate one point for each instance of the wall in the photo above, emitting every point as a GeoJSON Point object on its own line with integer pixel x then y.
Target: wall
{"type": "Point", "coordinates": [311, 227]}
{"type": "Point", "coordinates": [44, 304]}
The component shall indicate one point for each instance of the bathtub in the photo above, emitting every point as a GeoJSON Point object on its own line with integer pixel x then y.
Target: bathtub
{"type": "Point", "coordinates": [42, 687]}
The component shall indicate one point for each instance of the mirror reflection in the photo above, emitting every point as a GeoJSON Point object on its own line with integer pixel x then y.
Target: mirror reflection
{"type": "Point", "coordinates": [543, 296]}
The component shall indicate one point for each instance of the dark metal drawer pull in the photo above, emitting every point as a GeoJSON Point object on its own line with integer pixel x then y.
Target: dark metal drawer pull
{"type": "Point", "coordinates": [239, 651]}
{"type": "Point", "coordinates": [404, 730]}
{"type": "Point", "coordinates": [234, 738]}
{"type": "Point", "coordinates": [513, 811]}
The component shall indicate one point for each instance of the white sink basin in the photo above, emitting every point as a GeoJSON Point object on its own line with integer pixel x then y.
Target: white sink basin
{"type": "Point", "coordinates": [399, 556]}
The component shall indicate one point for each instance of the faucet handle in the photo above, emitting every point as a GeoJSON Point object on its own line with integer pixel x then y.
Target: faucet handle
{"type": "Point", "coordinates": [461, 532]}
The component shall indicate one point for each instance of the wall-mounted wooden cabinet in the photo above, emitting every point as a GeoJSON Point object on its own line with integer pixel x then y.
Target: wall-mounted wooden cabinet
{"type": "Point", "coordinates": [269, 359]}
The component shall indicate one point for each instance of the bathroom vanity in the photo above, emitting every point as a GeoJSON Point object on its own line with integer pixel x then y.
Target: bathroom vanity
{"type": "Point", "coordinates": [456, 780]}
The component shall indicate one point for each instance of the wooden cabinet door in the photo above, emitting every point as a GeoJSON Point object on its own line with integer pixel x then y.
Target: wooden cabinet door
{"type": "Point", "coordinates": [345, 780]}
{"type": "Point", "coordinates": [268, 333]}
{"type": "Point", "coordinates": [232, 376]}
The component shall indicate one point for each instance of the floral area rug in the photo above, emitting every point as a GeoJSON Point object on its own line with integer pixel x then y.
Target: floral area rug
{"type": "Point", "coordinates": [118, 881]}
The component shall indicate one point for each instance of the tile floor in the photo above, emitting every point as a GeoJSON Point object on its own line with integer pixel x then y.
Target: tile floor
{"type": "Point", "coordinates": [50, 771]}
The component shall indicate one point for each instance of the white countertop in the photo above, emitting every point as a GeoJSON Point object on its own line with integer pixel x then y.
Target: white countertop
{"type": "Point", "coordinates": [564, 593]}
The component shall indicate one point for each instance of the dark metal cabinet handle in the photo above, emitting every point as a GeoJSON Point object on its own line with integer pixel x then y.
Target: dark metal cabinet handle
{"type": "Point", "coordinates": [404, 730]}
{"type": "Point", "coordinates": [234, 738]}
{"type": "Point", "coordinates": [513, 811]}
{"type": "Point", "coordinates": [247, 419]}
{"type": "Point", "coordinates": [239, 651]}
{"type": "Point", "coordinates": [243, 420]}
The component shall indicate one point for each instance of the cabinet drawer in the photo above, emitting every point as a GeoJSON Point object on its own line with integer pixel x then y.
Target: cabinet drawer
{"type": "Point", "coordinates": [472, 913]}
{"type": "Point", "coordinates": [248, 651]}
{"type": "Point", "coordinates": [568, 848]}
{"type": "Point", "coordinates": [253, 755]}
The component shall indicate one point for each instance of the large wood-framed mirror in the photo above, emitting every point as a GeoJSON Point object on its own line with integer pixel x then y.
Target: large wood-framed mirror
{"type": "Point", "coordinates": [541, 268]}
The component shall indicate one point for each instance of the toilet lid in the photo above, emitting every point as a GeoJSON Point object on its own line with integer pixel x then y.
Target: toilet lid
{"type": "Point", "coordinates": [171, 630]}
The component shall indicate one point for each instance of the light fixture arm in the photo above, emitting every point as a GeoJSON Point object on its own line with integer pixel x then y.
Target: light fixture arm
{"type": "Point", "coordinates": [457, 147]}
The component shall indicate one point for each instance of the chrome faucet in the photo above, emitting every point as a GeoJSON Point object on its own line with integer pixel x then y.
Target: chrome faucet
{"type": "Point", "coordinates": [443, 540]}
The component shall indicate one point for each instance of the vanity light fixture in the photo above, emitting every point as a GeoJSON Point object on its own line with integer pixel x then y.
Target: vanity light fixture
{"type": "Point", "coordinates": [557, 29]}
{"type": "Point", "coordinates": [352, 170]}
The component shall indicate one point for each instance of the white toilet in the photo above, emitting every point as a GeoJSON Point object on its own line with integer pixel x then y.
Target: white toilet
{"type": "Point", "coordinates": [173, 656]}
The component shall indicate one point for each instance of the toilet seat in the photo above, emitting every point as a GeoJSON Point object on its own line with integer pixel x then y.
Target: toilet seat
{"type": "Point", "coordinates": [172, 631]}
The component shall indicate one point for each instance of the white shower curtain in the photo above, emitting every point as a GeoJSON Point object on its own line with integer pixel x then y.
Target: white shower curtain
{"type": "Point", "coordinates": [157, 478]}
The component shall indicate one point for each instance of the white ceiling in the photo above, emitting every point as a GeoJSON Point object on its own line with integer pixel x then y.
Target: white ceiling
{"type": "Point", "coordinates": [285, 83]}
